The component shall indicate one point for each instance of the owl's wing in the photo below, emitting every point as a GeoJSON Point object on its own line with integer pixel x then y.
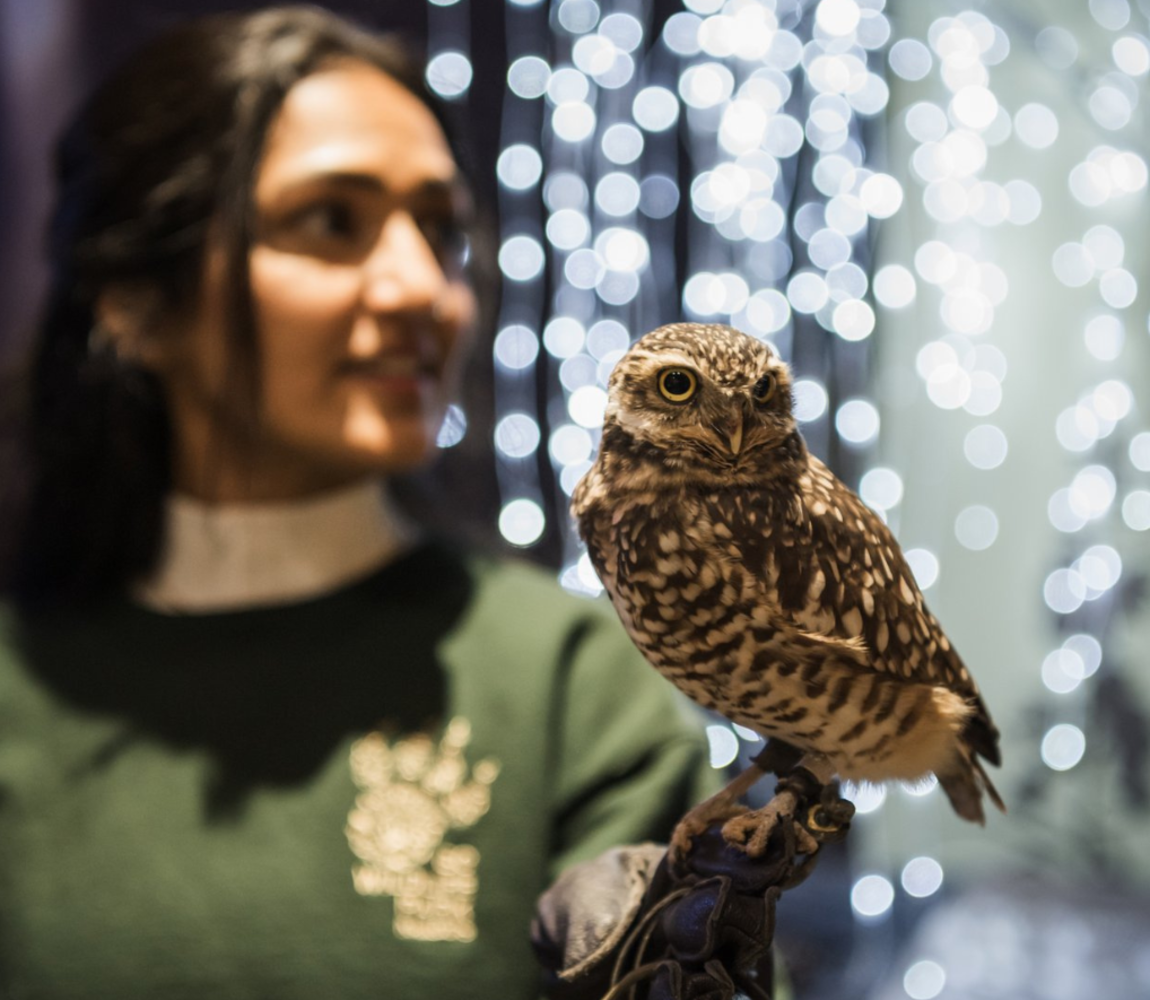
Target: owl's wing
{"type": "Point", "coordinates": [835, 568]}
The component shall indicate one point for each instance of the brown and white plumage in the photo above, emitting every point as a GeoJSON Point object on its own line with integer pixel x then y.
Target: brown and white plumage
{"type": "Point", "coordinates": [761, 585]}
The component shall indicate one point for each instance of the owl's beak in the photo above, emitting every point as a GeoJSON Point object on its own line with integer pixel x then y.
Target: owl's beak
{"type": "Point", "coordinates": [736, 434]}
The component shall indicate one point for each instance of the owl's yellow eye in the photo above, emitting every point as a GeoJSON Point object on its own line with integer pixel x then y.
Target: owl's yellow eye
{"type": "Point", "coordinates": [677, 385]}
{"type": "Point", "coordinates": [763, 389]}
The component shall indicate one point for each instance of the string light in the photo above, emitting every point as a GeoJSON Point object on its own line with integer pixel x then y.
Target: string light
{"type": "Point", "coordinates": [743, 125]}
{"type": "Point", "coordinates": [922, 877]}
{"type": "Point", "coordinates": [872, 897]}
{"type": "Point", "coordinates": [924, 980]}
{"type": "Point", "coordinates": [956, 130]}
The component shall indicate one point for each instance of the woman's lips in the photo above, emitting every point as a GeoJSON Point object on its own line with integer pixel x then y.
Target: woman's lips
{"type": "Point", "coordinates": [395, 374]}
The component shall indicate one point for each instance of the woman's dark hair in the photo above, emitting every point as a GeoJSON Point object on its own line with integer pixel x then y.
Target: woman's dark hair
{"type": "Point", "coordinates": [166, 148]}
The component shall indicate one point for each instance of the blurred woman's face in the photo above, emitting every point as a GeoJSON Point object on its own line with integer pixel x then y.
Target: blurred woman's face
{"type": "Point", "coordinates": [360, 301]}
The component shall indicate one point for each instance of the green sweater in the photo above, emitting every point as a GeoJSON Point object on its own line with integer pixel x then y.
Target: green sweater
{"type": "Point", "coordinates": [358, 796]}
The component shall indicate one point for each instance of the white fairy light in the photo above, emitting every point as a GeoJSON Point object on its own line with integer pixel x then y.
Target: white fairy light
{"type": "Point", "coordinates": [924, 564]}
{"type": "Point", "coordinates": [563, 337]}
{"type": "Point", "coordinates": [519, 166]}
{"type": "Point", "coordinates": [857, 421]}
{"type": "Point", "coordinates": [655, 109]}
{"type": "Point", "coordinates": [522, 522]}
{"type": "Point", "coordinates": [1113, 15]}
{"type": "Point", "coordinates": [924, 980]}
{"type": "Point", "coordinates": [578, 16]}
{"type": "Point", "coordinates": [573, 121]}
{"type": "Point", "coordinates": [1131, 55]}
{"type": "Point", "coordinates": [1057, 47]}
{"type": "Point", "coordinates": [872, 896]}
{"type": "Point", "coordinates": [516, 347]}
{"type": "Point", "coordinates": [985, 446]}
{"type": "Point", "coordinates": [521, 258]}
{"type": "Point", "coordinates": [865, 797]}
{"type": "Point", "coordinates": [1063, 747]}
{"type": "Point", "coordinates": [853, 319]}
{"type": "Point", "coordinates": [517, 435]}
{"type": "Point", "coordinates": [568, 229]}
{"type": "Point", "coordinates": [587, 405]}
{"type": "Point", "coordinates": [810, 400]}
{"type": "Point", "coordinates": [1118, 288]}
{"type": "Point", "coordinates": [1025, 202]}
{"type": "Point", "coordinates": [570, 443]}
{"type": "Point", "coordinates": [1062, 671]}
{"type": "Point", "coordinates": [724, 745]}
{"type": "Point", "coordinates": [1064, 591]}
{"type": "Point", "coordinates": [910, 59]}
{"type": "Point", "coordinates": [1073, 265]}
{"type": "Point", "coordinates": [1036, 125]}
{"type": "Point", "coordinates": [449, 74]}
{"type": "Point", "coordinates": [453, 429]}
{"type": "Point", "coordinates": [807, 292]}
{"type": "Point", "coordinates": [1105, 246]}
{"type": "Point", "coordinates": [921, 877]}
{"type": "Point", "coordinates": [976, 527]}
{"type": "Point", "coordinates": [622, 143]}
{"type": "Point", "coordinates": [528, 77]}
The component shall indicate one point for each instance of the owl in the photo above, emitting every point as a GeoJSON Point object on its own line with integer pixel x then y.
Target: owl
{"type": "Point", "coordinates": [759, 584]}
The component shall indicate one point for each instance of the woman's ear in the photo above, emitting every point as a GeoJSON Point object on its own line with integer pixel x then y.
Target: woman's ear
{"type": "Point", "coordinates": [127, 321]}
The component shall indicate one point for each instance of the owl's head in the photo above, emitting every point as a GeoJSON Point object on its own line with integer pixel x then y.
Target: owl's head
{"type": "Point", "coordinates": [707, 397]}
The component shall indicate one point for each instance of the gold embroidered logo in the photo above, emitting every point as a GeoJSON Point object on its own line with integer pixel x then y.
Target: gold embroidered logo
{"type": "Point", "coordinates": [413, 793]}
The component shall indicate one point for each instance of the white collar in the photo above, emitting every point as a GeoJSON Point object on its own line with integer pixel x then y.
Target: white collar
{"type": "Point", "coordinates": [232, 557]}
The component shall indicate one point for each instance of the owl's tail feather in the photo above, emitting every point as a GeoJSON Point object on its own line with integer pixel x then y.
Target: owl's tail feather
{"type": "Point", "coordinates": [988, 785]}
{"type": "Point", "coordinates": [965, 786]}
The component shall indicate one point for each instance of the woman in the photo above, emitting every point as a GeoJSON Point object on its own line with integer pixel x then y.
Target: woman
{"type": "Point", "coordinates": [261, 736]}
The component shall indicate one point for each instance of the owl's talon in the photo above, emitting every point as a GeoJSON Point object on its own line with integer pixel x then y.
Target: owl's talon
{"type": "Point", "coordinates": [751, 831]}
{"type": "Point", "coordinates": [696, 822]}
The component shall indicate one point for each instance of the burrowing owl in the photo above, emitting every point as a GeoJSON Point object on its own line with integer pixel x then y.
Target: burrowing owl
{"type": "Point", "coordinates": [761, 585]}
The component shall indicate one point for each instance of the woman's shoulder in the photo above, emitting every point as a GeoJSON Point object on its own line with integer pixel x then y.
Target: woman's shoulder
{"type": "Point", "coordinates": [517, 610]}
{"type": "Point", "coordinates": [530, 590]}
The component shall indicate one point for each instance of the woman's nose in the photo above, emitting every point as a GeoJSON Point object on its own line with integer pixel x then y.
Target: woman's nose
{"type": "Point", "coordinates": [402, 273]}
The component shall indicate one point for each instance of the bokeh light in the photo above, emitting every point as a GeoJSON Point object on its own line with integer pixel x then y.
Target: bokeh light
{"type": "Point", "coordinates": [528, 77]}
{"type": "Point", "coordinates": [521, 522]}
{"type": "Point", "coordinates": [924, 564]}
{"type": "Point", "coordinates": [449, 74]}
{"type": "Point", "coordinates": [924, 980]}
{"type": "Point", "coordinates": [976, 527]}
{"type": "Point", "coordinates": [985, 446]}
{"type": "Point", "coordinates": [872, 896]}
{"type": "Point", "coordinates": [517, 435]}
{"type": "Point", "coordinates": [519, 166]}
{"type": "Point", "coordinates": [921, 877]}
{"type": "Point", "coordinates": [865, 797]}
{"type": "Point", "coordinates": [723, 744]}
{"type": "Point", "coordinates": [453, 429]}
{"type": "Point", "coordinates": [857, 421]}
{"type": "Point", "coordinates": [1063, 746]}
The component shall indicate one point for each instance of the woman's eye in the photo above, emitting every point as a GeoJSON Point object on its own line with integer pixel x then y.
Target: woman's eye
{"type": "Point", "coordinates": [448, 239]}
{"type": "Point", "coordinates": [328, 220]}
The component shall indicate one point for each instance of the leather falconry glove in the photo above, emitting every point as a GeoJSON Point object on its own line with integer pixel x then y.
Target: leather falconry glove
{"type": "Point", "coordinates": [631, 923]}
